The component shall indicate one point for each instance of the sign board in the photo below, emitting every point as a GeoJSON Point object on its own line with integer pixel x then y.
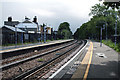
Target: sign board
{"type": "Point", "coordinates": [31, 31]}
{"type": "Point", "coordinates": [48, 30]}
{"type": "Point", "coordinates": [111, 0]}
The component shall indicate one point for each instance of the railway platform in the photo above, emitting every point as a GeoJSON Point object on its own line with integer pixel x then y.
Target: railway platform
{"type": "Point", "coordinates": [20, 47]}
{"type": "Point", "coordinates": [96, 63]}
{"type": "Point", "coordinates": [103, 63]}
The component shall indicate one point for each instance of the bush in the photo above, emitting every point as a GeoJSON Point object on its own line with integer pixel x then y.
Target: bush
{"type": "Point", "coordinates": [112, 45]}
{"type": "Point", "coordinates": [119, 47]}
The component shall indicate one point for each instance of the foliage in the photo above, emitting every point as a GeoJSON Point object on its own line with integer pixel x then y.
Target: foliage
{"type": "Point", "coordinates": [64, 31]}
{"type": "Point", "coordinates": [112, 45]}
{"type": "Point", "coordinates": [64, 25]}
{"type": "Point", "coordinates": [113, 5]}
{"type": "Point", "coordinates": [118, 27]}
{"type": "Point", "coordinates": [66, 34]}
{"type": "Point", "coordinates": [101, 17]}
{"type": "Point", "coordinates": [98, 10]}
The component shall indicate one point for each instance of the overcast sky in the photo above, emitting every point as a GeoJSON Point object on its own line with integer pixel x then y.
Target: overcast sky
{"type": "Point", "coordinates": [52, 12]}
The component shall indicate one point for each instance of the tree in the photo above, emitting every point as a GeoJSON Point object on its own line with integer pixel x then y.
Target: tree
{"type": "Point", "coordinates": [98, 10]}
{"type": "Point", "coordinates": [101, 16]}
{"type": "Point", "coordinates": [66, 33]}
{"type": "Point", "coordinates": [118, 23]}
{"type": "Point", "coordinates": [113, 5]}
{"type": "Point", "coordinates": [64, 30]}
{"type": "Point", "coordinates": [64, 25]}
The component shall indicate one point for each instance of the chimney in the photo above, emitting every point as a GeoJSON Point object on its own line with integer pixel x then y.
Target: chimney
{"type": "Point", "coordinates": [9, 19]}
{"type": "Point", "coordinates": [35, 19]}
{"type": "Point", "coordinates": [26, 18]}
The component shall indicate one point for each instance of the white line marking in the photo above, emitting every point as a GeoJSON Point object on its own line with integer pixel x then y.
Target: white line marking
{"type": "Point", "coordinates": [53, 75]}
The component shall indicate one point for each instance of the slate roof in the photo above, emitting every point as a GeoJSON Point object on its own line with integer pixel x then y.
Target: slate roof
{"type": "Point", "coordinates": [27, 22]}
{"type": "Point", "coordinates": [27, 25]}
{"type": "Point", "coordinates": [13, 28]}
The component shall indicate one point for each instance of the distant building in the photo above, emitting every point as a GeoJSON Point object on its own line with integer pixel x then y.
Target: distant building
{"type": "Point", "coordinates": [48, 29]}
{"type": "Point", "coordinates": [27, 31]}
{"type": "Point", "coordinates": [10, 22]}
{"type": "Point", "coordinates": [28, 26]}
{"type": "Point", "coordinates": [8, 34]}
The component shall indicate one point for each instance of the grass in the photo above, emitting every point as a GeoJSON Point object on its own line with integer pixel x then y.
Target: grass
{"type": "Point", "coordinates": [112, 45]}
{"type": "Point", "coordinates": [40, 60]}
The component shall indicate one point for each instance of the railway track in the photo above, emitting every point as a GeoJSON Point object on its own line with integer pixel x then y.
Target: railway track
{"type": "Point", "coordinates": [37, 72]}
{"type": "Point", "coordinates": [13, 67]}
{"type": "Point", "coordinates": [25, 55]}
{"type": "Point", "coordinates": [19, 51]}
{"type": "Point", "coordinates": [18, 60]}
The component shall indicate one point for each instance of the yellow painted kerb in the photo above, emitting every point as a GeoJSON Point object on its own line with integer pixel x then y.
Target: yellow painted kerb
{"type": "Point", "coordinates": [88, 59]}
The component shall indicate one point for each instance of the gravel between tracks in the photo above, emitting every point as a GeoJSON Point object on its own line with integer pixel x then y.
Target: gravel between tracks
{"type": "Point", "coordinates": [30, 64]}
{"type": "Point", "coordinates": [53, 68]}
{"type": "Point", "coordinates": [58, 65]}
{"type": "Point", "coordinates": [19, 57]}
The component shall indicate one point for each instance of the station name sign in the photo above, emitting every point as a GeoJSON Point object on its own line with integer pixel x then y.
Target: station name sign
{"type": "Point", "coordinates": [110, 0]}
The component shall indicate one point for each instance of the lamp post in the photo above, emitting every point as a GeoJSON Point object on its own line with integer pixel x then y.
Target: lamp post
{"type": "Point", "coordinates": [116, 29]}
{"type": "Point", "coordinates": [45, 33]}
{"type": "Point", "coordinates": [26, 34]}
{"type": "Point", "coordinates": [101, 28]}
{"type": "Point", "coordinates": [39, 32]}
{"type": "Point", "coordinates": [101, 35]}
{"type": "Point", "coordinates": [22, 34]}
{"type": "Point", "coordinates": [15, 36]}
{"type": "Point", "coordinates": [105, 14]}
{"type": "Point", "coordinates": [44, 26]}
{"type": "Point", "coordinates": [106, 30]}
{"type": "Point", "coordinates": [22, 38]}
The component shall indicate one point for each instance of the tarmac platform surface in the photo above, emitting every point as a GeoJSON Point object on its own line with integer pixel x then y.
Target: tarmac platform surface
{"type": "Point", "coordinates": [104, 65]}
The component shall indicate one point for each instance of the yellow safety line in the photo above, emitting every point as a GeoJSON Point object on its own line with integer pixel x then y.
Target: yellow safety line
{"type": "Point", "coordinates": [88, 66]}
{"type": "Point", "coordinates": [59, 41]}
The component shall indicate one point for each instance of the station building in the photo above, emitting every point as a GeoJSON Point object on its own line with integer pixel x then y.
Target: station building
{"type": "Point", "coordinates": [8, 34]}
{"type": "Point", "coordinates": [27, 31]}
